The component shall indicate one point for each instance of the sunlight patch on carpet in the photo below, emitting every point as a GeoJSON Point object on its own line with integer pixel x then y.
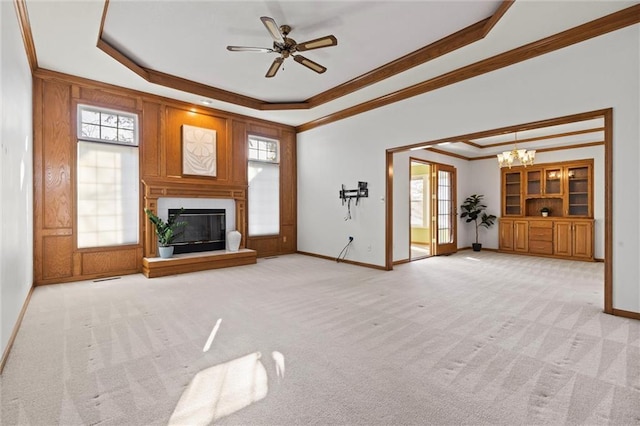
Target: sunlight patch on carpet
{"type": "Point", "coordinates": [221, 390]}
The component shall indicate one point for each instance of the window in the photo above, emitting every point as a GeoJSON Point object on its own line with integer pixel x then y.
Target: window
{"type": "Point", "coordinates": [107, 178]}
{"type": "Point", "coordinates": [419, 213]}
{"type": "Point", "coordinates": [264, 187]}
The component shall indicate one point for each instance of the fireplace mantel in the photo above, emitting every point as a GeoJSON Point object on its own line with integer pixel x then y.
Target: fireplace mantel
{"type": "Point", "coordinates": [189, 188]}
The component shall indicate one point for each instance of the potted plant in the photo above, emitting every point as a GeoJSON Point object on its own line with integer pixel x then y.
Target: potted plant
{"type": "Point", "coordinates": [166, 231]}
{"type": "Point", "coordinates": [473, 211]}
{"type": "Point", "coordinates": [546, 211]}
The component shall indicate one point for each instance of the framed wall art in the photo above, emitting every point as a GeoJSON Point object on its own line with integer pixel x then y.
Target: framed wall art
{"type": "Point", "coordinates": [198, 151]}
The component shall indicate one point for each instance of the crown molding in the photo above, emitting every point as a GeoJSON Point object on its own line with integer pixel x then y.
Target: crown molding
{"type": "Point", "coordinates": [595, 28]}
{"type": "Point", "coordinates": [441, 47]}
{"type": "Point", "coordinates": [27, 36]}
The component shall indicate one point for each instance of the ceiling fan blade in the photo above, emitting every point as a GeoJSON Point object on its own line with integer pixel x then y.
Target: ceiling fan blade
{"type": "Point", "coordinates": [309, 64]}
{"type": "Point", "coordinates": [248, 49]}
{"type": "Point", "coordinates": [273, 28]}
{"type": "Point", "coordinates": [275, 66]}
{"type": "Point", "coordinates": [317, 43]}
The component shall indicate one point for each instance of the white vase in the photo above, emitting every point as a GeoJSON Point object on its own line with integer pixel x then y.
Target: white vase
{"type": "Point", "coordinates": [233, 240]}
{"type": "Point", "coordinates": [166, 252]}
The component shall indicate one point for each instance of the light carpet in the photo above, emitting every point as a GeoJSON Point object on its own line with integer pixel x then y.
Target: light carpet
{"type": "Point", "coordinates": [472, 338]}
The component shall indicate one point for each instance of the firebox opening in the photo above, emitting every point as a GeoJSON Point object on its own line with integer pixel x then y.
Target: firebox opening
{"type": "Point", "coordinates": [205, 230]}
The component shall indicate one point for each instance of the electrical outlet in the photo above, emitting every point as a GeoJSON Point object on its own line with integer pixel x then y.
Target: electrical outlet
{"type": "Point", "coordinates": [369, 247]}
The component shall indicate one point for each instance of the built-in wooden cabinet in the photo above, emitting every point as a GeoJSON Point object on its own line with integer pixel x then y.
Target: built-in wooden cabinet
{"type": "Point", "coordinates": [540, 236]}
{"type": "Point", "coordinates": [579, 193]}
{"type": "Point", "coordinates": [543, 181]}
{"type": "Point", "coordinates": [514, 235]}
{"type": "Point", "coordinates": [566, 189]}
{"type": "Point", "coordinates": [574, 238]}
{"type": "Point", "coordinates": [512, 193]}
{"type": "Point", "coordinates": [566, 238]}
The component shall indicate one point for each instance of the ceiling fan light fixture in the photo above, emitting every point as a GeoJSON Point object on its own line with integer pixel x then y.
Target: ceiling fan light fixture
{"type": "Point", "coordinates": [286, 47]}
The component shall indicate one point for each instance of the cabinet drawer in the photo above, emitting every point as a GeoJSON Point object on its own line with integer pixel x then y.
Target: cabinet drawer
{"type": "Point", "coordinates": [541, 234]}
{"type": "Point", "coordinates": [540, 224]}
{"type": "Point", "coordinates": [541, 247]}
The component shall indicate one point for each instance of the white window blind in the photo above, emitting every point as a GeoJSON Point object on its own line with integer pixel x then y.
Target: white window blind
{"type": "Point", "coordinates": [264, 187]}
{"type": "Point", "coordinates": [107, 179]}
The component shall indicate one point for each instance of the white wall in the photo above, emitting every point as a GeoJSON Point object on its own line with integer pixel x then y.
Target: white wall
{"type": "Point", "coordinates": [16, 173]}
{"type": "Point", "coordinates": [596, 74]}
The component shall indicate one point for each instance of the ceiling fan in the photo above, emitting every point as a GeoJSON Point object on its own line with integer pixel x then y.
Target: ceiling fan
{"type": "Point", "coordinates": [286, 47]}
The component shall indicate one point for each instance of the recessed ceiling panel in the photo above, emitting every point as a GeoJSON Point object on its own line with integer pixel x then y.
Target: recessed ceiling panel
{"type": "Point", "coordinates": [188, 39]}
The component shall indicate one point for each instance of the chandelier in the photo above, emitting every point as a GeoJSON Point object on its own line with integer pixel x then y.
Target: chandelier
{"type": "Point", "coordinates": [526, 158]}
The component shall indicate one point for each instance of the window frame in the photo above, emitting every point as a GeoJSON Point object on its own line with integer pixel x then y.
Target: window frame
{"type": "Point", "coordinates": [275, 162]}
{"type": "Point", "coordinates": [92, 108]}
{"type": "Point", "coordinates": [137, 138]}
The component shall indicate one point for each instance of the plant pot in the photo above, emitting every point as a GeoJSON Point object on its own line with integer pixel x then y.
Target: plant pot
{"type": "Point", "coordinates": [476, 246]}
{"type": "Point", "coordinates": [166, 252]}
{"type": "Point", "coordinates": [545, 214]}
{"type": "Point", "coordinates": [233, 240]}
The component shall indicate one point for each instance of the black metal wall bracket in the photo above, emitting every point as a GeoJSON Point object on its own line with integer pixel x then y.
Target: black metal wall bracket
{"type": "Point", "coordinates": [361, 192]}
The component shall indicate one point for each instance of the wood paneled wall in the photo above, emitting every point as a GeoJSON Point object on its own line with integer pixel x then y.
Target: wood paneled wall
{"type": "Point", "coordinates": [56, 96]}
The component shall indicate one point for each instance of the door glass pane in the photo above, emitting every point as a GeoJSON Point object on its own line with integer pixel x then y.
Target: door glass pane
{"type": "Point", "coordinates": [417, 202]}
{"type": "Point", "coordinates": [445, 217]}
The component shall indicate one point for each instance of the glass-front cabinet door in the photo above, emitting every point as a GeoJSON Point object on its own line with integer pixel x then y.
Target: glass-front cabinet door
{"type": "Point", "coordinates": [553, 181]}
{"type": "Point", "coordinates": [534, 182]}
{"type": "Point", "coordinates": [579, 191]}
{"type": "Point", "coordinates": [512, 191]}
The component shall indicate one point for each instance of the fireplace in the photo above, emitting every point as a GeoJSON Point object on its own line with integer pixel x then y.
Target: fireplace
{"type": "Point", "coordinates": [205, 230]}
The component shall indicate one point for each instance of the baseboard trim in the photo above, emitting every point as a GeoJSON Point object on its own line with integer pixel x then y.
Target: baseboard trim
{"type": "Point", "coordinates": [350, 262]}
{"type": "Point", "coordinates": [400, 262]}
{"type": "Point", "coordinates": [14, 333]}
{"type": "Point", "coordinates": [626, 314]}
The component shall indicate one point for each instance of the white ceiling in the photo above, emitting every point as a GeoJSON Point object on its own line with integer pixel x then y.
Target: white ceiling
{"type": "Point", "coordinates": [188, 39]}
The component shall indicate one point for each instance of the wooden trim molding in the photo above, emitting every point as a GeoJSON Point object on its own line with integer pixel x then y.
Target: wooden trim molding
{"type": "Point", "coordinates": [49, 75]}
{"type": "Point", "coordinates": [441, 47]}
{"type": "Point", "coordinates": [349, 262]}
{"type": "Point", "coordinates": [16, 327]}
{"type": "Point", "coordinates": [625, 314]}
{"type": "Point", "coordinates": [498, 14]}
{"type": "Point", "coordinates": [455, 41]}
{"type": "Point", "coordinates": [608, 212]}
{"type": "Point", "coordinates": [388, 235]}
{"type": "Point", "coordinates": [595, 28]}
{"type": "Point", "coordinates": [27, 35]}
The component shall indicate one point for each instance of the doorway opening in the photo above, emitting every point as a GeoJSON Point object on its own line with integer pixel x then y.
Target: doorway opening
{"type": "Point", "coordinates": [420, 223]}
{"type": "Point", "coordinates": [432, 196]}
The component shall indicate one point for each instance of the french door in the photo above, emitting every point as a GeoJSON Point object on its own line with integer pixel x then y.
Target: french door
{"type": "Point", "coordinates": [443, 209]}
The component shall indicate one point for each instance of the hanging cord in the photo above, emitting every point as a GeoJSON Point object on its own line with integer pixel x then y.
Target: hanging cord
{"type": "Point", "coordinates": [348, 216]}
{"type": "Point", "coordinates": [345, 250]}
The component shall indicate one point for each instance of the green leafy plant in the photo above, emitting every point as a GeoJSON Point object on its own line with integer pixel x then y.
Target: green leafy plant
{"type": "Point", "coordinates": [545, 210]}
{"type": "Point", "coordinates": [473, 211]}
{"type": "Point", "coordinates": [166, 231]}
